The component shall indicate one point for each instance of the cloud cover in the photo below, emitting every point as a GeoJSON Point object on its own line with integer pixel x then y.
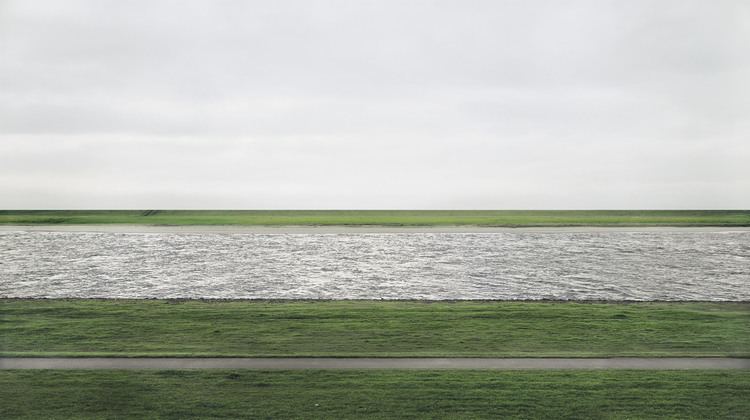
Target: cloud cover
{"type": "Point", "coordinates": [382, 104]}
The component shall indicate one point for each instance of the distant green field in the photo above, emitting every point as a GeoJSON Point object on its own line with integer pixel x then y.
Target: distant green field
{"type": "Point", "coordinates": [371, 328]}
{"type": "Point", "coordinates": [99, 394]}
{"type": "Point", "coordinates": [385, 217]}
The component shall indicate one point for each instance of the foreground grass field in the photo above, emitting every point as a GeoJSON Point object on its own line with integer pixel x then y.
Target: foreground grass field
{"type": "Point", "coordinates": [375, 394]}
{"type": "Point", "coordinates": [371, 328]}
{"type": "Point", "coordinates": [386, 217]}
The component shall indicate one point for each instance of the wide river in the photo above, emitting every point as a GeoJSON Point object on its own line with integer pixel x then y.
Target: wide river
{"type": "Point", "coordinates": [689, 265]}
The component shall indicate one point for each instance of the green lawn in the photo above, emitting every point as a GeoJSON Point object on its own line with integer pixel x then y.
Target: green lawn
{"type": "Point", "coordinates": [386, 217]}
{"type": "Point", "coordinates": [371, 328]}
{"type": "Point", "coordinates": [375, 394]}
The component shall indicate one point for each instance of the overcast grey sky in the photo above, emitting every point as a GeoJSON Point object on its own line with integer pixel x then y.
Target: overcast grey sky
{"type": "Point", "coordinates": [375, 104]}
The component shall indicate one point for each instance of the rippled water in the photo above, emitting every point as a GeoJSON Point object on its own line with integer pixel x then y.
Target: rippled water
{"type": "Point", "coordinates": [524, 265]}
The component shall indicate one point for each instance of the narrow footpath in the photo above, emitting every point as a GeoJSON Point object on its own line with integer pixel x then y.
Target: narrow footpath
{"type": "Point", "coordinates": [370, 363]}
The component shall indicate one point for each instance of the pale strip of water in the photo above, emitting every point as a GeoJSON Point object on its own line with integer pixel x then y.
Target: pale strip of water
{"type": "Point", "coordinates": [608, 265]}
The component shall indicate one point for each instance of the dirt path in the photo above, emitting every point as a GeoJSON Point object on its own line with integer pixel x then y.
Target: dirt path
{"type": "Point", "coordinates": [370, 363]}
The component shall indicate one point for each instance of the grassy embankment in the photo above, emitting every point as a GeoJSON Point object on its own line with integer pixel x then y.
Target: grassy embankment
{"type": "Point", "coordinates": [371, 328]}
{"type": "Point", "coordinates": [514, 218]}
{"type": "Point", "coordinates": [360, 328]}
{"type": "Point", "coordinates": [375, 394]}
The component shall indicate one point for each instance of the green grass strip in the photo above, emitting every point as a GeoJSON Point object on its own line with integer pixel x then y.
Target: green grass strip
{"type": "Point", "coordinates": [385, 217]}
{"type": "Point", "coordinates": [375, 394]}
{"type": "Point", "coordinates": [371, 328]}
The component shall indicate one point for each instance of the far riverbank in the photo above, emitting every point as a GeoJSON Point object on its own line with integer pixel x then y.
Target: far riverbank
{"type": "Point", "coordinates": [239, 229]}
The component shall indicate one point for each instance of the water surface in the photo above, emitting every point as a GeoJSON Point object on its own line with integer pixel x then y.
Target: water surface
{"type": "Point", "coordinates": [525, 265]}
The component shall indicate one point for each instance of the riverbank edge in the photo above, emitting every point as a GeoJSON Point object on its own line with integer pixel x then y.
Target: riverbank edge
{"type": "Point", "coordinates": [366, 229]}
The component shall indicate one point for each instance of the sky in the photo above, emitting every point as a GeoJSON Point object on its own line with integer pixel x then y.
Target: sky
{"type": "Point", "coordinates": [382, 104]}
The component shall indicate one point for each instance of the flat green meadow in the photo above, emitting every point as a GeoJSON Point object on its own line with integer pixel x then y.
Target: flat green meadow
{"type": "Point", "coordinates": [92, 327]}
{"type": "Point", "coordinates": [508, 218]}
{"type": "Point", "coordinates": [380, 394]}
